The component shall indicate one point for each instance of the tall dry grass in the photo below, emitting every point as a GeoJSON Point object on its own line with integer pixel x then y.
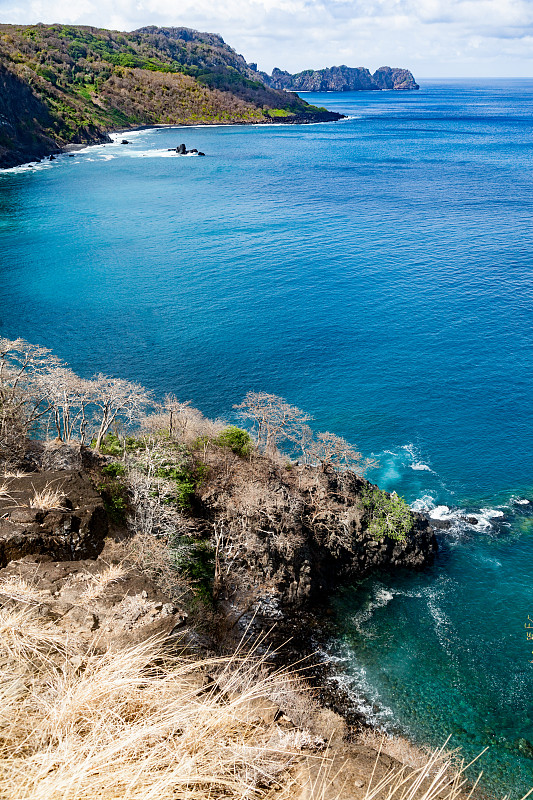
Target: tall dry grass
{"type": "Point", "coordinates": [49, 498]}
{"type": "Point", "coordinates": [133, 723]}
{"type": "Point", "coordinates": [128, 723]}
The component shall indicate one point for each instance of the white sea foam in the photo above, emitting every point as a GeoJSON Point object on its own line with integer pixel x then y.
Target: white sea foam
{"type": "Point", "coordinates": [425, 503]}
{"type": "Point", "coordinates": [32, 166]}
{"type": "Point", "coordinates": [416, 462]}
{"type": "Point", "coordinates": [486, 515]}
{"type": "Point", "coordinates": [158, 154]}
{"type": "Point", "coordinates": [365, 698]}
{"type": "Point", "coordinates": [440, 512]}
{"type": "Point", "coordinates": [382, 597]}
{"type": "Point", "coordinates": [520, 501]}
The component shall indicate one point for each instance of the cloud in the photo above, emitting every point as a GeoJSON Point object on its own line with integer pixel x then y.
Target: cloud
{"type": "Point", "coordinates": [432, 37]}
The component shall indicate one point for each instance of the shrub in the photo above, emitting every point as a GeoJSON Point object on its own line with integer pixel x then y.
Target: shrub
{"type": "Point", "coordinates": [195, 558]}
{"type": "Point", "coordinates": [238, 440]}
{"type": "Point", "coordinates": [185, 479]}
{"type": "Point", "coordinates": [114, 470]}
{"type": "Point", "coordinates": [111, 445]}
{"type": "Point", "coordinates": [389, 514]}
{"type": "Point", "coordinates": [114, 493]}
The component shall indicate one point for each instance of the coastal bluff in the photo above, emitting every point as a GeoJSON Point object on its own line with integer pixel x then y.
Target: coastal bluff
{"type": "Point", "coordinates": [255, 532]}
{"type": "Point", "coordinates": [342, 79]}
{"type": "Point", "coordinates": [74, 84]}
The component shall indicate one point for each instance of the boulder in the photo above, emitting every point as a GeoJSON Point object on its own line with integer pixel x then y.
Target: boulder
{"type": "Point", "coordinates": [54, 514]}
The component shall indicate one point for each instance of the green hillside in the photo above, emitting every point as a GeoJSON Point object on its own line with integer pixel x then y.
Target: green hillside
{"type": "Point", "coordinates": [64, 83]}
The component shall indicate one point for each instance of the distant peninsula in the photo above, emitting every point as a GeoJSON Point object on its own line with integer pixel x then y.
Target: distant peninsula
{"type": "Point", "coordinates": [341, 79]}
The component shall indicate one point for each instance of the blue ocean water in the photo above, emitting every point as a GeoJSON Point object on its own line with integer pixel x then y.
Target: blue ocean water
{"type": "Point", "coordinates": [375, 272]}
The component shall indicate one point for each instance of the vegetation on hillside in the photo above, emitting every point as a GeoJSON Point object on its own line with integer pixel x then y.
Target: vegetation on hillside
{"type": "Point", "coordinates": [91, 80]}
{"type": "Point", "coordinates": [170, 468]}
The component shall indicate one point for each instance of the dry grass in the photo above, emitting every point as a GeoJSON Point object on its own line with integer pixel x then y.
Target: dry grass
{"type": "Point", "coordinates": [98, 582]}
{"type": "Point", "coordinates": [436, 778]}
{"type": "Point", "coordinates": [5, 494]}
{"type": "Point", "coordinates": [48, 499]}
{"type": "Point", "coordinates": [17, 588]}
{"type": "Point", "coordinates": [15, 473]}
{"type": "Point", "coordinates": [133, 723]}
{"type": "Point", "coordinates": [402, 749]}
{"type": "Point", "coordinates": [109, 726]}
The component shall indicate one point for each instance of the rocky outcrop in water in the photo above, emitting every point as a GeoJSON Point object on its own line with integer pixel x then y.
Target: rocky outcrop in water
{"type": "Point", "coordinates": [298, 536]}
{"type": "Point", "coordinates": [394, 78]}
{"type": "Point", "coordinates": [341, 79]}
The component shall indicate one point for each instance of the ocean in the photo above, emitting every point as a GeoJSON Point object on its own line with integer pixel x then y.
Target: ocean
{"type": "Point", "coordinates": [375, 272]}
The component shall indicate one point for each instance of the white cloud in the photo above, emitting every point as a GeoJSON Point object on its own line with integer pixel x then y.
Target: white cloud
{"type": "Point", "coordinates": [431, 37]}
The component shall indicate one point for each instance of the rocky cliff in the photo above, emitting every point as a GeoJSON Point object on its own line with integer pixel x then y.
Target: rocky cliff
{"type": "Point", "coordinates": [258, 534]}
{"type": "Point", "coordinates": [25, 122]}
{"type": "Point", "coordinates": [341, 79]}
{"type": "Point", "coordinates": [394, 78]}
{"type": "Point", "coordinates": [298, 535]}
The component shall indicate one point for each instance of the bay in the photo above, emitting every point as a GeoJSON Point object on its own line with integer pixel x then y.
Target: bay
{"type": "Point", "coordinates": [375, 272]}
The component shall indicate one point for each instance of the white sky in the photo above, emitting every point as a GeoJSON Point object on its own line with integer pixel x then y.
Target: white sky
{"type": "Point", "coordinates": [441, 38]}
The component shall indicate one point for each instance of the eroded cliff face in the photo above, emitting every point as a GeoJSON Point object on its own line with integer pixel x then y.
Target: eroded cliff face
{"type": "Point", "coordinates": [24, 120]}
{"type": "Point", "coordinates": [394, 78]}
{"type": "Point", "coordinates": [341, 79]}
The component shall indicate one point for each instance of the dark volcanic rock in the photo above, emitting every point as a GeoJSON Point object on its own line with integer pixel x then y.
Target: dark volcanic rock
{"type": "Point", "coordinates": [299, 539]}
{"type": "Point", "coordinates": [394, 78]}
{"type": "Point", "coordinates": [341, 79]}
{"type": "Point", "coordinates": [20, 142]}
{"type": "Point", "coordinates": [72, 526]}
{"type": "Point", "coordinates": [441, 524]}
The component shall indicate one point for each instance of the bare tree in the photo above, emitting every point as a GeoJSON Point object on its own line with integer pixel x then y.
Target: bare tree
{"type": "Point", "coordinates": [334, 451]}
{"type": "Point", "coordinates": [302, 436]}
{"type": "Point", "coordinates": [116, 398]}
{"type": "Point", "coordinates": [23, 397]}
{"type": "Point", "coordinates": [69, 398]}
{"type": "Point", "coordinates": [273, 419]}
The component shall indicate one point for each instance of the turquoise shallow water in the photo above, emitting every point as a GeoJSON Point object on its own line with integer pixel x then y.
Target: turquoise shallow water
{"type": "Point", "coordinates": [376, 272]}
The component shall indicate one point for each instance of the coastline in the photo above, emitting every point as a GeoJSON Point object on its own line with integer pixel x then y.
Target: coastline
{"type": "Point", "coordinates": [46, 154]}
{"type": "Point", "coordinates": [71, 174]}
